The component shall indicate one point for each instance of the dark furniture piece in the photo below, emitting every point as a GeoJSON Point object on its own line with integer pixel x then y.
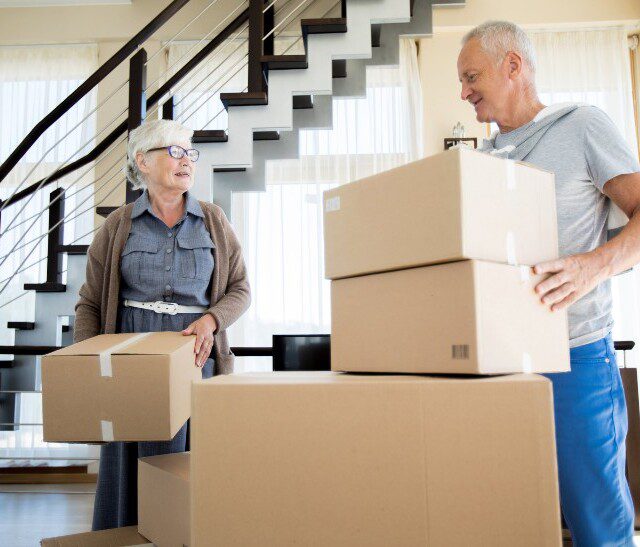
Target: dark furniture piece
{"type": "Point", "coordinates": [452, 141]}
{"type": "Point", "coordinates": [301, 352]}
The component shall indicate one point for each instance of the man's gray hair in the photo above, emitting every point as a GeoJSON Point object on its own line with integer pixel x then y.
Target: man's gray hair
{"type": "Point", "coordinates": [152, 134]}
{"type": "Point", "coordinates": [497, 38]}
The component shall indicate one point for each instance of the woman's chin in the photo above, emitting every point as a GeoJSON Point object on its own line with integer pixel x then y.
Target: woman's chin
{"type": "Point", "coordinates": [183, 184]}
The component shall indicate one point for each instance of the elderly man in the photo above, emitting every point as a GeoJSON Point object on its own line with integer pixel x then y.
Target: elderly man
{"type": "Point", "coordinates": [593, 166]}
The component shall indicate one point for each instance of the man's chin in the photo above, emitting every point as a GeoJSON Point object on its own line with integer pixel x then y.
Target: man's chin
{"type": "Point", "coordinates": [483, 117]}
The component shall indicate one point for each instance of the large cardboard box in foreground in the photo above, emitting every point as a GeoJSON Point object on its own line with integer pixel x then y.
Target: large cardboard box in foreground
{"type": "Point", "coordinates": [122, 387]}
{"type": "Point", "coordinates": [330, 459]}
{"type": "Point", "coordinates": [456, 205]}
{"type": "Point", "coordinates": [116, 537]}
{"type": "Point", "coordinates": [163, 499]}
{"type": "Point", "coordinates": [468, 317]}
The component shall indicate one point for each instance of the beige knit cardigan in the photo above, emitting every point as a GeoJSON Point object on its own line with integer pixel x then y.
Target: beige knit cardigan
{"type": "Point", "coordinates": [97, 310]}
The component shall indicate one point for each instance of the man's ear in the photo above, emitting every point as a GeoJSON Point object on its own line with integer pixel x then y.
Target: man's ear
{"type": "Point", "coordinates": [515, 64]}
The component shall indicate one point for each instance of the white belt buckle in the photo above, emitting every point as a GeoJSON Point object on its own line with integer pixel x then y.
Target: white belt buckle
{"type": "Point", "coordinates": [165, 307]}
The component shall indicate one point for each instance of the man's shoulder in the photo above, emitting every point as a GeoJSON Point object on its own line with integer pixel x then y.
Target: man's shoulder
{"type": "Point", "coordinates": [584, 115]}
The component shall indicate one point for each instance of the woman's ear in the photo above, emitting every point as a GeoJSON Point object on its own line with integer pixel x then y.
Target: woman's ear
{"type": "Point", "coordinates": [141, 161]}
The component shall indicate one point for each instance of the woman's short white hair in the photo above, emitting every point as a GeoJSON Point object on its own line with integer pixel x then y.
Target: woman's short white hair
{"type": "Point", "coordinates": [497, 38]}
{"type": "Point", "coordinates": [152, 134]}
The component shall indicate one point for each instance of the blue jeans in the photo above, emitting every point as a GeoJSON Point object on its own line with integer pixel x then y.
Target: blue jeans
{"type": "Point", "coordinates": [591, 427]}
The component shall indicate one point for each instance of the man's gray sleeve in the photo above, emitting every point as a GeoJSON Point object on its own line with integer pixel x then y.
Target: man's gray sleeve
{"type": "Point", "coordinates": [607, 153]}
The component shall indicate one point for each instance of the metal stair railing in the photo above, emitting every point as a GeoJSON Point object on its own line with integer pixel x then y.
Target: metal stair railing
{"type": "Point", "coordinates": [265, 38]}
{"type": "Point", "coordinates": [133, 46]}
{"type": "Point", "coordinates": [35, 218]}
{"type": "Point", "coordinates": [111, 143]}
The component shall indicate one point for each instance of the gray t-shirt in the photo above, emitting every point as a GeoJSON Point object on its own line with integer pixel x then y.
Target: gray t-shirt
{"type": "Point", "coordinates": [585, 150]}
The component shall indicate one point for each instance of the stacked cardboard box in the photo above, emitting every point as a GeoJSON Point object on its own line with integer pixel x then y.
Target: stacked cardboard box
{"type": "Point", "coordinates": [163, 499]}
{"type": "Point", "coordinates": [436, 256]}
{"type": "Point", "coordinates": [426, 278]}
{"type": "Point", "coordinates": [338, 459]}
{"type": "Point", "coordinates": [425, 262]}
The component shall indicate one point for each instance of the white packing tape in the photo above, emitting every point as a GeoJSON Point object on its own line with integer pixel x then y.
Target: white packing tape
{"type": "Point", "coordinates": [107, 430]}
{"type": "Point", "coordinates": [527, 363]}
{"type": "Point", "coordinates": [511, 249]}
{"type": "Point", "coordinates": [105, 356]}
{"type": "Point", "coordinates": [510, 166]}
{"type": "Point", "coordinates": [525, 273]}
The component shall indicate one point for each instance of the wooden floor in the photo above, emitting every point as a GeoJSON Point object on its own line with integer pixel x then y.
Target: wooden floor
{"type": "Point", "coordinates": [30, 512]}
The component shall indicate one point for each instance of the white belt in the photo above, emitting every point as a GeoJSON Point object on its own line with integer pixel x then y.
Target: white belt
{"type": "Point", "coordinates": [164, 307]}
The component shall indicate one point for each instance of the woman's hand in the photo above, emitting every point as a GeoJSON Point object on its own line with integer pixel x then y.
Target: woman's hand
{"type": "Point", "coordinates": [203, 328]}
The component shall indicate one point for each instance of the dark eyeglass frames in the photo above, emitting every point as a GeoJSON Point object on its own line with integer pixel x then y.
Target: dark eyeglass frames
{"type": "Point", "coordinates": [178, 152]}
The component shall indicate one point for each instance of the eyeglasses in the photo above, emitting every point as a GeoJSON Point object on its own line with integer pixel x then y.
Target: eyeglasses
{"type": "Point", "coordinates": [178, 152]}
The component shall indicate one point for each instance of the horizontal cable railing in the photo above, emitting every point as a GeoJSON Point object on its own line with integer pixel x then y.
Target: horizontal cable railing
{"type": "Point", "coordinates": [155, 98]}
{"type": "Point", "coordinates": [175, 80]}
{"type": "Point", "coordinates": [208, 67]}
{"type": "Point", "coordinates": [293, 44]}
{"type": "Point", "coordinates": [107, 68]}
{"type": "Point", "coordinates": [78, 179]}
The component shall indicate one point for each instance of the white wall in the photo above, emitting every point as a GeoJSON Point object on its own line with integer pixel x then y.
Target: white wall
{"type": "Point", "coordinates": [438, 54]}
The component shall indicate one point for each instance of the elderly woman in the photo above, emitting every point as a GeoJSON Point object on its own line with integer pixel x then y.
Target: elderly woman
{"type": "Point", "coordinates": [168, 247]}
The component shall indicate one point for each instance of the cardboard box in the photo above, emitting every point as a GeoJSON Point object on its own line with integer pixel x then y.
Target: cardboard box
{"type": "Point", "coordinates": [329, 459]}
{"type": "Point", "coordinates": [122, 387]}
{"type": "Point", "coordinates": [163, 499]}
{"type": "Point", "coordinates": [460, 204]}
{"type": "Point", "coordinates": [469, 317]}
{"type": "Point", "coordinates": [116, 537]}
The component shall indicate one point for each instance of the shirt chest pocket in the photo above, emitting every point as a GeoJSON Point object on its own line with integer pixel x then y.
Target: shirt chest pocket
{"type": "Point", "coordinates": [139, 260]}
{"type": "Point", "coordinates": [195, 256]}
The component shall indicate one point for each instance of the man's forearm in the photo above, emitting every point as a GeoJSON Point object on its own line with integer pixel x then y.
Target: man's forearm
{"type": "Point", "coordinates": [622, 252]}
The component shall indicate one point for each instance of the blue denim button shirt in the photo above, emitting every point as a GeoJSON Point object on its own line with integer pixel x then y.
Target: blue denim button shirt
{"type": "Point", "coordinates": [169, 264]}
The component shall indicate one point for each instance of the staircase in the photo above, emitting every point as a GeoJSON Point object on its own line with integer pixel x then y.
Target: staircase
{"type": "Point", "coordinates": [285, 93]}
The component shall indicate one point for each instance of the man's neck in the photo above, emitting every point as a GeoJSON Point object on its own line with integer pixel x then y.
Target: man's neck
{"type": "Point", "coordinates": [520, 115]}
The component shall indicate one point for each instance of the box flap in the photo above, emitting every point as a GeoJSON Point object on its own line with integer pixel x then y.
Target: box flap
{"type": "Point", "coordinates": [519, 162]}
{"type": "Point", "coordinates": [277, 378]}
{"type": "Point", "coordinates": [175, 464]}
{"type": "Point", "coordinates": [92, 346]}
{"type": "Point", "coordinates": [116, 537]}
{"type": "Point", "coordinates": [157, 343]}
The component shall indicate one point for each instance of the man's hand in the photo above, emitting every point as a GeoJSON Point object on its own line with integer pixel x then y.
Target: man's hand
{"type": "Point", "coordinates": [203, 328]}
{"type": "Point", "coordinates": [571, 278]}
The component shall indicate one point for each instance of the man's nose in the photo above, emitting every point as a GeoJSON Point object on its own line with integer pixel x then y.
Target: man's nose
{"type": "Point", "coordinates": [466, 92]}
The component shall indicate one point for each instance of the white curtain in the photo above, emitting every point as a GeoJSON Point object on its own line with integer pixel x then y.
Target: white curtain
{"type": "Point", "coordinates": [592, 66]}
{"type": "Point", "coordinates": [281, 229]}
{"type": "Point", "coordinates": [33, 81]}
{"type": "Point", "coordinates": [634, 46]}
